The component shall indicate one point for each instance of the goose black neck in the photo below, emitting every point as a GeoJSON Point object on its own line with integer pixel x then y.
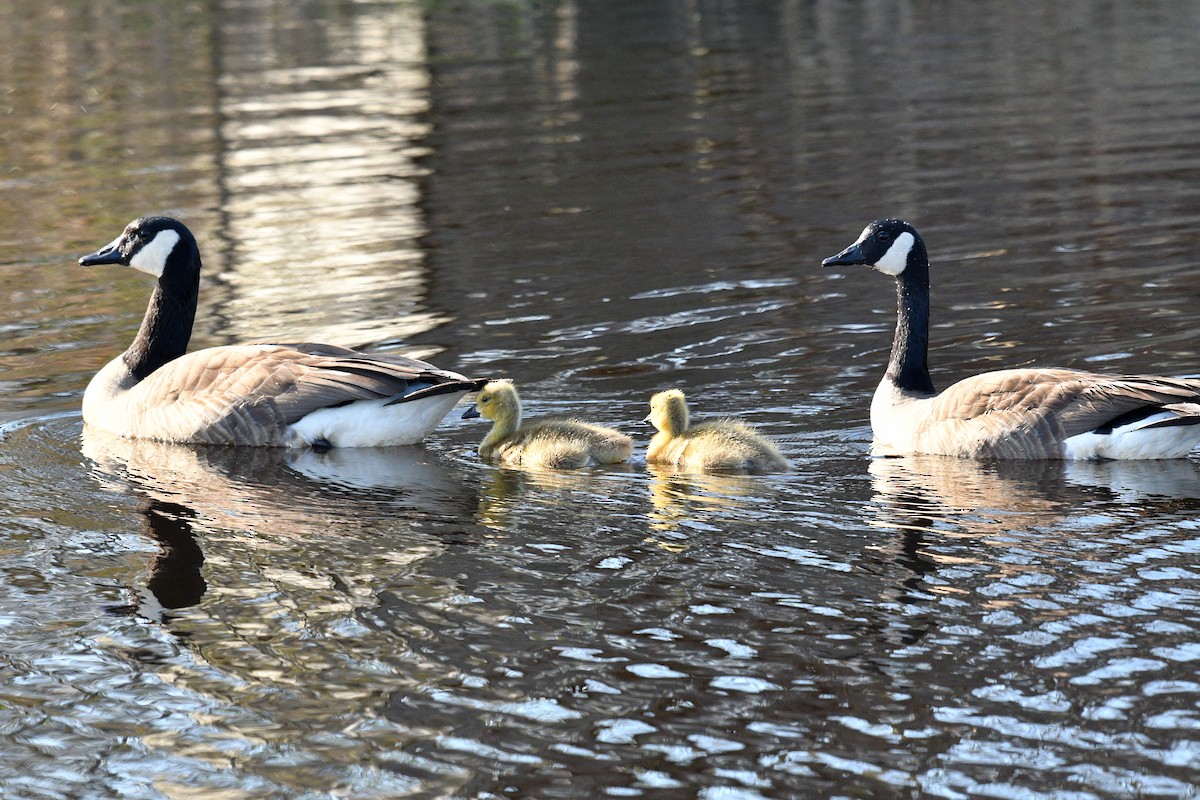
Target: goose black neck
{"type": "Point", "coordinates": [908, 367]}
{"type": "Point", "coordinates": [167, 326]}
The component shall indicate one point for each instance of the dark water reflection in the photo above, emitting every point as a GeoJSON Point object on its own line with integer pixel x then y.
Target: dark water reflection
{"type": "Point", "coordinates": [599, 199]}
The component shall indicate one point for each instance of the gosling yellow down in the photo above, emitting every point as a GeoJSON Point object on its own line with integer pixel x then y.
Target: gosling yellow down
{"type": "Point", "coordinates": [554, 443]}
{"type": "Point", "coordinates": [718, 445]}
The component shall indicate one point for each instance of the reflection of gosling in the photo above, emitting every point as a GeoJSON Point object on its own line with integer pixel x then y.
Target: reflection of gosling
{"type": "Point", "coordinates": [557, 443]}
{"type": "Point", "coordinates": [723, 444]}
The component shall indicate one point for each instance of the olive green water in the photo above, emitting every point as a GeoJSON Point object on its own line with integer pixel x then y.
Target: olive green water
{"type": "Point", "coordinates": [599, 199]}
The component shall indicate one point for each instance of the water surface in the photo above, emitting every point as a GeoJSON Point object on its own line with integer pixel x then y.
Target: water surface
{"type": "Point", "coordinates": [600, 200]}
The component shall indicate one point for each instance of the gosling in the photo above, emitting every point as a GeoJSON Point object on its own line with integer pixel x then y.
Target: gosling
{"type": "Point", "coordinates": [554, 443]}
{"type": "Point", "coordinates": [723, 445]}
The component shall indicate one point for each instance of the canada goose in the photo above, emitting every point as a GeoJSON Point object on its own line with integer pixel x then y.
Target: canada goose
{"type": "Point", "coordinates": [289, 395]}
{"type": "Point", "coordinates": [722, 444]}
{"type": "Point", "coordinates": [556, 443]}
{"type": "Point", "coordinates": [1016, 413]}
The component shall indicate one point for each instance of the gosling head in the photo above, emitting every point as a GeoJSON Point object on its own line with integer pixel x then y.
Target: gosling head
{"type": "Point", "coordinates": [888, 245]}
{"type": "Point", "coordinates": [158, 246]}
{"type": "Point", "coordinates": [669, 412]}
{"type": "Point", "coordinates": [496, 400]}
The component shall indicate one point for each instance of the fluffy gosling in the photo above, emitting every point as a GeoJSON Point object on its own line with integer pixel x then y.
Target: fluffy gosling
{"type": "Point", "coordinates": [718, 445]}
{"type": "Point", "coordinates": [554, 443]}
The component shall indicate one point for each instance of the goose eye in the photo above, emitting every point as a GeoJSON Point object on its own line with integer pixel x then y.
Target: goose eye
{"type": "Point", "coordinates": [883, 236]}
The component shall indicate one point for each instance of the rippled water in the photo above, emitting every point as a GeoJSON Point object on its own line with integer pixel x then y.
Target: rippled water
{"type": "Point", "coordinates": [599, 199]}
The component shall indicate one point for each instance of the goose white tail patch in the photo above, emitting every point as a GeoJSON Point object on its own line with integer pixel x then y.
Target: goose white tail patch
{"type": "Point", "coordinates": [1135, 441]}
{"type": "Point", "coordinates": [372, 423]}
{"type": "Point", "coordinates": [152, 257]}
{"type": "Point", "coordinates": [895, 259]}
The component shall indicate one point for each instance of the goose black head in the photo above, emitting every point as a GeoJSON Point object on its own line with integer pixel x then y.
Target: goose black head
{"type": "Point", "coordinates": [887, 245]}
{"type": "Point", "coordinates": [149, 244]}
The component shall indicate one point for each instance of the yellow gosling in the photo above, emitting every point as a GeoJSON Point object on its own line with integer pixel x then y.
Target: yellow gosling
{"type": "Point", "coordinates": [719, 445]}
{"type": "Point", "coordinates": [555, 443]}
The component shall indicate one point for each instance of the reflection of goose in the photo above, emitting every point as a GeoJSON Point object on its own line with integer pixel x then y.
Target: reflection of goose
{"type": "Point", "coordinates": [1017, 413]}
{"type": "Point", "coordinates": [254, 489]}
{"type": "Point", "coordinates": [411, 469]}
{"type": "Point", "coordinates": [719, 445]}
{"type": "Point", "coordinates": [271, 499]}
{"type": "Point", "coordinates": [1139, 480]}
{"type": "Point", "coordinates": [555, 443]}
{"type": "Point", "coordinates": [930, 501]}
{"type": "Point", "coordinates": [962, 497]}
{"type": "Point", "coordinates": [266, 394]}
{"type": "Point", "coordinates": [696, 500]}
{"type": "Point", "coordinates": [506, 496]}
{"type": "Point", "coordinates": [175, 580]}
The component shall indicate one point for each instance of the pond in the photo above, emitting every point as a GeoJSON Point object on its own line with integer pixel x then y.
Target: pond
{"type": "Point", "coordinates": [599, 199]}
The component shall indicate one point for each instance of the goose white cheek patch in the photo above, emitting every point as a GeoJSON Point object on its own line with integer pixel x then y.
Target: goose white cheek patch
{"type": "Point", "coordinates": [152, 257]}
{"type": "Point", "coordinates": [896, 258]}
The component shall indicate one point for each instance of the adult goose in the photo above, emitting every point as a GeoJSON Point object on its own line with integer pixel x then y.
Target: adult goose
{"type": "Point", "coordinates": [272, 395]}
{"type": "Point", "coordinates": [1008, 414]}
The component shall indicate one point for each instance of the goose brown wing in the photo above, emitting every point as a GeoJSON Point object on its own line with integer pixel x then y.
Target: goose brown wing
{"type": "Point", "coordinates": [396, 367]}
{"type": "Point", "coordinates": [1031, 411]}
{"type": "Point", "coordinates": [249, 394]}
{"type": "Point", "coordinates": [1109, 399]}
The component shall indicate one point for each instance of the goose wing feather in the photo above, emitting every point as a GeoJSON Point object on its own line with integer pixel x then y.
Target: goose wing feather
{"type": "Point", "coordinates": [249, 394]}
{"type": "Point", "coordinates": [1026, 413]}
